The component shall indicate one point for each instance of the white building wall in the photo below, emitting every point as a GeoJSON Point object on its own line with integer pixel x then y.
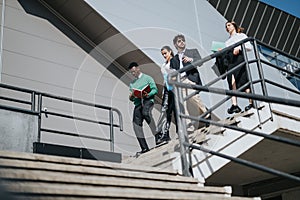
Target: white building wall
{"type": "Point", "coordinates": [38, 56]}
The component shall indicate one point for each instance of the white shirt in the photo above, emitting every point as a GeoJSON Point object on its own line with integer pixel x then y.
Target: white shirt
{"type": "Point", "coordinates": [140, 75]}
{"type": "Point", "coordinates": [165, 70]}
{"type": "Point", "coordinates": [180, 56]}
{"type": "Point", "coordinates": [236, 38]}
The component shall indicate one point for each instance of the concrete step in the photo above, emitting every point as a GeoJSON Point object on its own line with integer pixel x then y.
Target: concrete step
{"type": "Point", "coordinates": [164, 156]}
{"type": "Point", "coordinates": [36, 176]}
{"type": "Point", "coordinates": [160, 157]}
{"type": "Point", "coordinates": [257, 119]}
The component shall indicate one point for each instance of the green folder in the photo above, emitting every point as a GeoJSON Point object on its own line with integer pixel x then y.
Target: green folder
{"type": "Point", "coordinates": [216, 46]}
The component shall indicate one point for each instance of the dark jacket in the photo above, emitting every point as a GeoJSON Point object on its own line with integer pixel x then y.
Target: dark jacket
{"type": "Point", "coordinates": [193, 74]}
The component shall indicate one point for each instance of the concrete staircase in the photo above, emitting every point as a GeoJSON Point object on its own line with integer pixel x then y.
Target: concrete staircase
{"type": "Point", "coordinates": [167, 156]}
{"type": "Point", "coordinates": [279, 120]}
{"type": "Point", "coordinates": [36, 176]}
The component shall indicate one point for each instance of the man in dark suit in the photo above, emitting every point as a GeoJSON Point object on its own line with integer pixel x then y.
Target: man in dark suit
{"type": "Point", "coordinates": [182, 59]}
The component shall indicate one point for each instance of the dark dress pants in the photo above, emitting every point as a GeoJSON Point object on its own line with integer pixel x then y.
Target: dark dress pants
{"type": "Point", "coordinates": [240, 75]}
{"type": "Point", "coordinates": [168, 107]}
{"type": "Point", "coordinates": [143, 112]}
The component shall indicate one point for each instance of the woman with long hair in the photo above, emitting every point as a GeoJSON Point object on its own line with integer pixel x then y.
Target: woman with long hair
{"type": "Point", "coordinates": [168, 103]}
{"type": "Point", "coordinates": [239, 77]}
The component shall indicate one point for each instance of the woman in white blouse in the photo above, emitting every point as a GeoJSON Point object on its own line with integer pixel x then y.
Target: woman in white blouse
{"type": "Point", "coordinates": [168, 103]}
{"type": "Point", "coordinates": [239, 77]}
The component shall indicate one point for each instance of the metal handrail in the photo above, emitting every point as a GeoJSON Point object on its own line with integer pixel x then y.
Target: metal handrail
{"type": "Point", "coordinates": [186, 147]}
{"type": "Point", "coordinates": [37, 110]}
{"type": "Point", "coordinates": [242, 94]}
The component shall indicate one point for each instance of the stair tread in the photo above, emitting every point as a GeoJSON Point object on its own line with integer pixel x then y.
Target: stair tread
{"type": "Point", "coordinates": [82, 190]}
{"type": "Point", "coordinates": [49, 176]}
{"type": "Point", "coordinates": [96, 180]}
{"type": "Point", "coordinates": [81, 162]}
{"type": "Point", "coordinates": [34, 165]}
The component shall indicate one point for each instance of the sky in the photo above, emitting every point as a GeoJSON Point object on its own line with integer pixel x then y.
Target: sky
{"type": "Point", "coordinates": [289, 6]}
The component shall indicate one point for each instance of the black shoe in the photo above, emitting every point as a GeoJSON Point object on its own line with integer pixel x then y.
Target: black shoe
{"type": "Point", "coordinates": [249, 107]}
{"type": "Point", "coordinates": [144, 150]}
{"type": "Point", "coordinates": [141, 152]}
{"type": "Point", "coordinates": [234, 109]}
{"type": "Point", "coordinates": [158, 138]}
{"type": "Point", "coordinates": [165, 137]}
{"type": "Point", "coordinates": [207, 124]}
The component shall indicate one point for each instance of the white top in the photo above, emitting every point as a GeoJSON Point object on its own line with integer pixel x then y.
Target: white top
{"type": "Point", "coordinates": [165, 70]}
{"type": "Point", "coordinates": [236, 38]}
{"type": "Point", "coordinates": [140, 75]}
{"type": "Point", "coordinates": [180, 56]}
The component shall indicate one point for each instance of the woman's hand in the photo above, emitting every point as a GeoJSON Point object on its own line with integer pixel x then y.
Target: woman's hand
{"type": "Point", "coordinates": [236, 51]}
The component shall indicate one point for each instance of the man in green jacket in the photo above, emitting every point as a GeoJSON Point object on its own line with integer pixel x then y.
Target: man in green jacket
{"type": "Point", "coordinates": [142, 92]}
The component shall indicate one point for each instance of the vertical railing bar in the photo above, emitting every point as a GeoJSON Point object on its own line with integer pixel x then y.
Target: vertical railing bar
{"type": "Point", "coordinates": [261, 75]}
{"type": "Point", "coordinates": [179, 104]}
{"type": "Point", "coordinates": [40, 117]}
{"type": "Point", "coordinates": [33, 101]}
{"type": "Point", "coordinates": [244, 50]}
{"type": "Point", "coordinates": [111, 121]}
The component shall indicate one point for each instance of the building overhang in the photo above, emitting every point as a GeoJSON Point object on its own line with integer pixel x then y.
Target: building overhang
{"type": "Point", "coordinates": [103, 38]}
{"type": "Point", "coordinates": [276, 155]}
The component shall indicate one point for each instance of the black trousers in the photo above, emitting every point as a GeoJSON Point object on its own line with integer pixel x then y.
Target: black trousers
{"type": "Point", "coordinates": [143, 112]}
{"type": "Point", "coordinates": [227, 61]}
{"type": "Point", "coordinates": [167, 108]}
{"type": "Point", "coordinates": [240, 75]}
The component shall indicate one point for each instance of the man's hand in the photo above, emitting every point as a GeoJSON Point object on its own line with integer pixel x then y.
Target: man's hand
{"type": "Point", "coordinates": [131, 96]}
{"type": "Point", "coordinates": [145, 94]}
{"type": "Point", "coordinates": [186, 59]}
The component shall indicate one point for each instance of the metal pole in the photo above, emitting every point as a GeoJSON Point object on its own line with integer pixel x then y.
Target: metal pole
{"type": "Point", "coordinates": [261, 74]}
{"type": "Point", "coordinates": [2, 33]}
{"type": "Point", "coordinates": [40, 117]}
{"type": "Point", "coordinates": [244, 50]}
{"type": "Point", "coordinates": [33, 101]}
{"type": "Point", "coordinates": [179, 108]}
{"type": "Point", "coordinates": [111, 126]}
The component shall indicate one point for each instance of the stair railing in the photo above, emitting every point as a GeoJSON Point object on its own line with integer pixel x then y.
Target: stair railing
{"type": "Point", "coordinates": [36, 108]}
{"type": "Point", "coordinates": [186, 147]}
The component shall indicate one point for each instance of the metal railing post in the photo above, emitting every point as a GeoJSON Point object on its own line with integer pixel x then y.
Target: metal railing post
{"type": "Point", "coordinates": [39, 117]}
{"type": "Point", "coordinates": [182, 134]}
{"type": "Point", "coordinates": [33, 101]}
{"type": "Point", "coordinates": [261, 74]}
{"type": "Point", "coordinates": [111, 122]}
{"type": "Point", "coordinates": [244, 50]}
